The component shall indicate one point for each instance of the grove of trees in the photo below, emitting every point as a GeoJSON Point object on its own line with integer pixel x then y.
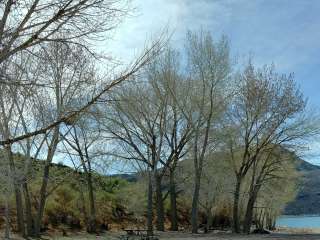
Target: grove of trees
{"type": "Point", "coordinates": [204, 135]}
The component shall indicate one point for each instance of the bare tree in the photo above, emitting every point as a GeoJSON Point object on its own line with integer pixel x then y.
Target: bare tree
{"type": "Point", "coordinates": [136, 125]}
{"type": "Point", "coordinates": [267, 112]}
{"type": "Point", "coordinates": [26, 26]}
{"type": "Point", "coordinates": [153, 125]}
{"type": "Point", "coordinates": [209, 73]}
{"type": "Point", "coordinates": [65, 71]}
{"type": "Point", "coordinates": [13, 101]}
{"type": "Point", "coordinates": [172, 92]}
{"type": "Point", "coordinates": [83, 137]}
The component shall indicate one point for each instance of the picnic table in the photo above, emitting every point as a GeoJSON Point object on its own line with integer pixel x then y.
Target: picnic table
{"type": "Point", "coordinates": [138, 234]}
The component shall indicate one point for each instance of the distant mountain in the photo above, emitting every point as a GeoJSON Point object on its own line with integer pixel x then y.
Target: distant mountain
{"type": "Point", "coordinates": [308, 197]}
{"type": "Point", "coordinates": [129, 177]}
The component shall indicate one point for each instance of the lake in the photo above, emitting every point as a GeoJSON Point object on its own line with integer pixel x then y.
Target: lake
{"type": "Point", "coordinates": [299, 221]}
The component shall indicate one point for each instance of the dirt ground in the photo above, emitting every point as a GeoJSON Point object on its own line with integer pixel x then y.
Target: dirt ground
{"type": "Point", "coordinates": [188, 236]}
{"type": "Point", "coordinates": [227, 236]}
{"type": "Point", "coordinates": [210, 236]}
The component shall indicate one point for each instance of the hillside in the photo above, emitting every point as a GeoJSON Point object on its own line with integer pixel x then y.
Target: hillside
{"type": "Point", "coordinates": [308, 197]}
{"type": "Point", "coordinates": [67, 201]}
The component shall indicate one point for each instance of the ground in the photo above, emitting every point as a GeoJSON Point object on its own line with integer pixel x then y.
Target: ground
{"type": "Point", "coordinates": [188, 236]}
{"type": "Point", "coordinates": [275, 236]}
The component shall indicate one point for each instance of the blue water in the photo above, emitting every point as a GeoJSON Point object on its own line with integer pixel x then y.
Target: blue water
{"type": "Point", "coordinates": [298, 221]}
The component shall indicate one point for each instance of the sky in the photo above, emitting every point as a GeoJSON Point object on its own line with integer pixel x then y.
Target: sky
{"type": "Point", "coordinates": [283, 32]}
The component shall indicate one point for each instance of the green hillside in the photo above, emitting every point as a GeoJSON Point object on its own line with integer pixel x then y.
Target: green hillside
{"type": "Point", "coordinates": [67, 200]}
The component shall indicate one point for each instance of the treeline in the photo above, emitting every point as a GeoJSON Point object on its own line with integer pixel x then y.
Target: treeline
{"type": "Point", "coordinates": [62, 100]}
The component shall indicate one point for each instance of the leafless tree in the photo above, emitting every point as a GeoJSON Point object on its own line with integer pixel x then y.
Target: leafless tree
{"type": "Point", "coordinates": [153, 125]}
{"type": "Point", "coordinates": [172, 92]}
{"type": "Point", "coordinates": [210, 68]}
{"type": "Point", "coordinates": [83, 137]}
{"type": "Point", "coordinates": [268, 111]}
{"type": "Point", "coordinates": [13, 101]}
{"type": "Point", "coordinates": [26, 26]}
{"type": "Point", "coordinates": [70, 75]}
{"type": "Point", "coordinates": [137, 126]}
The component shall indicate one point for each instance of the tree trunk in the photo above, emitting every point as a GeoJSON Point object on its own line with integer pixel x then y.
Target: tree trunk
{"type": "Point", "coordinates": [17, 191]}
{"type": "Point", "coordinates": [83, 207]}
{"type": "Point", "coordinates": [209, 220]}
{"type": "Point", "coordinates": [195, 203]}
{"type": "Point", "coordinates": [260, 224]}
{"type": "Point", "coordinates": [92, 219]}
{"type": "Point", "coordinates": [42, 200]}
{"type": "Point", "coordinates": [27, 202]}
{"type": "Point", "coordinates": [249, 214]}
{"type": "Point", "coordinates": [19, 206]}
{"type": "Point", "coordinates": [7, 220]}
{"type": "Point", "coordinates": [150, 206]}
{"type": "Point", "coordinates": [173, 203]}
{"type": "Point", "coordinates": [45, 180]}
{"type": "Point", "coordinates": [159, 204]}
{"type": "Point", "coordinates": [236, 196]}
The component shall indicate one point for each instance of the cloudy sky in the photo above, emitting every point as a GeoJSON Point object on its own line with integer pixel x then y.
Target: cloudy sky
{"type": "Point", "coordinates": [283, 32]}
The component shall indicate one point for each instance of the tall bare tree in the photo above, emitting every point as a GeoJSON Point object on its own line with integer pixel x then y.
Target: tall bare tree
{"type": "Point", "coordinates": [137, 126]}
{"type": "Point", "coordinates": [171, 89]}
{"type": "Point", "coordinates": [210, 67]}
{"type": "Point", "coordinates": [69, 74]}
{"type": "Point", "coordinates": [14, 100]}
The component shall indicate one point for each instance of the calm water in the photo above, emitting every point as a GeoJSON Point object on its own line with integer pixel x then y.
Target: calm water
{"type": "Point", "coordinates": [299, 221]}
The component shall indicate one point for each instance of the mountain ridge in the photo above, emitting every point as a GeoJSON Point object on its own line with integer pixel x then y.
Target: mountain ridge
{"type": "Point", "coordinates": [307, 201]}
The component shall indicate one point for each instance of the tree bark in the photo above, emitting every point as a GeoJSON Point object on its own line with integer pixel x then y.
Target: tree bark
{"type": "Point", "coordinates": [45, 181]}
{"type": "Point", "coordinates": [159, 204]}
{"type": "Point", "coordinates": [17, 191]}
{"type": "Point", "coordinates": [42, 200]}
{"type": "Point", "coordinates": [28, 211]}
{"type": "Point", "coordinates": [7, 220]}
{"type": "Point", "coordinates": [92, 219]}
{"type": "Point", "coordinates": [195, 204]}
{"type": "Point", "coordinates": [236, 196]}
{"type": "Point", "coordinates": [209, 220]}
{"type": "Point", "coordinates": [91, 224]}
{"type": "Point", "coordinates": [83, 207]}
{"type": "Point", "coordinates": [249, 214]}
{"type": "Point", "coordinates": [150, 206]}
{"type": "Point", "coordinates": [20, 215]}
{"type": "Point", "coordinates": [173, 203]}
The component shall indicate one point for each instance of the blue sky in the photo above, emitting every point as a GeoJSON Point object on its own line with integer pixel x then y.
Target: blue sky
{"type": "Point", "coordinates": [283, 32]}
